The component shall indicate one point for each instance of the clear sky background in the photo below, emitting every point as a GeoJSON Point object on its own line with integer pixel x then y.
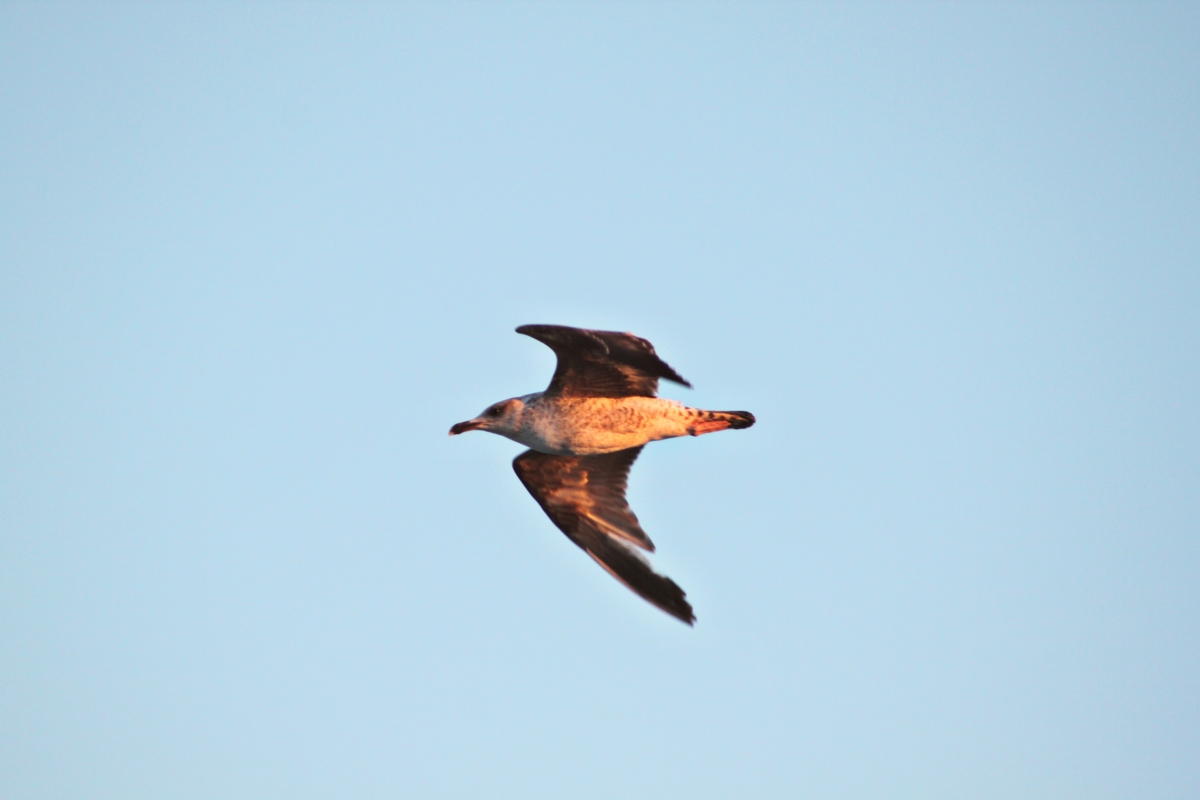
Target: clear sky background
{"type": "Point", "coordinates": [257, 259]}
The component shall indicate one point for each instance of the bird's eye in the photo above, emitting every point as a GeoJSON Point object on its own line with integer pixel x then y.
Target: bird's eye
{"type": "Point", "coordinates": [494, 411]}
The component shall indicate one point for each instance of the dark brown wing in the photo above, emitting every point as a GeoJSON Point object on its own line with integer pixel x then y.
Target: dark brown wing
{"type": "Point", "coordinates": [585, 497]}
{"type": "Point", "coordinates": [601, 363]}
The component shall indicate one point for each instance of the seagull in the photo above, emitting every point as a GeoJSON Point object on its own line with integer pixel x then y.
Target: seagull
{"type": "Point", "coordinates": [584, 433]}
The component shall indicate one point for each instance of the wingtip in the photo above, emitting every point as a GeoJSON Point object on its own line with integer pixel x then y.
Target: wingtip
{"type": "Point", "coordinates": [684, 614]}
{"type": "Point", "coordinates": [674, 606]}
{"type": "Point", "coordinates": [667, 372]}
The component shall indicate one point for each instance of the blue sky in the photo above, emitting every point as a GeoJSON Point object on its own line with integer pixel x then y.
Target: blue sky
{"type": "Point", "coordinates": [256, 259]}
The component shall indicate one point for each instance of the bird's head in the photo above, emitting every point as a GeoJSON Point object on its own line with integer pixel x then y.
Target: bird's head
{"type": "Point", "coordinates": [503, 418]}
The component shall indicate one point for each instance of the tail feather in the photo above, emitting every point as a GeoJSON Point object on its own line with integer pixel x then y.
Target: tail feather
{"type": "Point", "coordinates": [712, 421]}
{"type": "Point", "coordinates": [738, 419]}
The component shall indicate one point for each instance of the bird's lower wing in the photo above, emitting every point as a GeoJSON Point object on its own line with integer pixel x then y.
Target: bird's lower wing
{"type": "Point", "coordinates": [631, 569]}
{"type": "Point", "coordinates": [585, 497]}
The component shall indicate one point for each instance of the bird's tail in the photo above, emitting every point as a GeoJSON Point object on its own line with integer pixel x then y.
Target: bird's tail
{"type": "Point", "coordinates": [711, 421]}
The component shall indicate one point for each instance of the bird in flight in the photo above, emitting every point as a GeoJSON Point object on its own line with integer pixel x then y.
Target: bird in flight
{"type": "Point", "coordinates": [584, 433]}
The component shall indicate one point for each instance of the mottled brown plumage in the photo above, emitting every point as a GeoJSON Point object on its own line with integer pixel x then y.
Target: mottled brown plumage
{"type": "Point", "coordinates": [584, 433]}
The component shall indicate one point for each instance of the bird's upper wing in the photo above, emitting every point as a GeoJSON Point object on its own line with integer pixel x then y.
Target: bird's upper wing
{"type": "Point", "coordinates": [601, 363]}
{"type": "Point", "coordinates": [585, 497]}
